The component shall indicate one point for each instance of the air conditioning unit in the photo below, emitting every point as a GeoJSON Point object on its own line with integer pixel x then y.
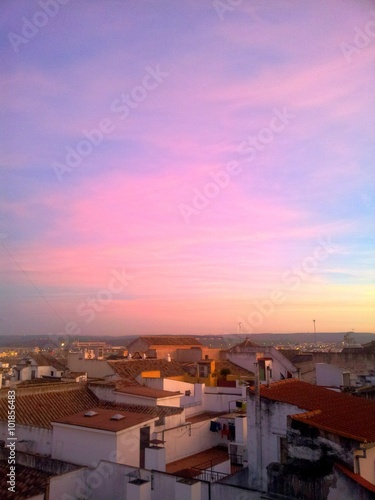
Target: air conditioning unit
{"type": "Point", "coordinates": [187, 393]}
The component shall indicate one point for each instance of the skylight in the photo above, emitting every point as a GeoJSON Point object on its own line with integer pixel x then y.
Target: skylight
{"type": "Point", "coordinates": [118, 416]}
{"type": "Point", "coordinates": [90, 413]}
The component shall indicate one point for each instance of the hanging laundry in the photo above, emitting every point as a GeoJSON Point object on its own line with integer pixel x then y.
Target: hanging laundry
{"type": "Point", "coordinates": [224, 431]}
{"type": "Point", "coordinates": [215, 426]}
{"type": "Point", "coordinates": [232, 432]}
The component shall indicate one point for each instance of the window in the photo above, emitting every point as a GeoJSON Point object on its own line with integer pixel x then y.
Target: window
{"type": "Point", "coordinates": [262, 369]}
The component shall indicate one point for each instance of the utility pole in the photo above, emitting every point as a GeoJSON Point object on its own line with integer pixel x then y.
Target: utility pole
{"type": "Point", "coordinates": [316, 345]}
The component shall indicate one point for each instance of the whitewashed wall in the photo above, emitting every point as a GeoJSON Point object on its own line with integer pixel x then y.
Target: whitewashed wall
{"type": "Point", "coordinates": [41, 438]}
{"type": "Point", "coordinates": [273, 426]}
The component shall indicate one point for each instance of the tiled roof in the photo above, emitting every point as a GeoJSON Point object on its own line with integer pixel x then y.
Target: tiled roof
{"type": "Point", "coordinates": [39, 381]}
{"type": "Point", "coordinates": [171, 340]}
{"type": "Point", "coordinates": [130, 369]}
{"type": "Point", "coordinates": [356, 477]}
{"type": "Point", "coordinates": [245, 343]}
{"type": "Point", "coordinates": [141, 390]}
{"type": "Point", "coordinates": [40, 405]}
{"type": "Point", "coordinates": [370, 346]}
{"type": "Point", "coordinates": [29, 482]}
{"type": "Point", "coordinates": [103, 419]}
{"type": "Point", "coordinates": [46, 360]}
{"type": "Point", "coordinates": [234, 369]}
{"type": "Point", "coordinates": [335, 412]}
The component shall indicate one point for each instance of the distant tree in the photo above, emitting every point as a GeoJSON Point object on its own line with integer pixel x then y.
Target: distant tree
{"type": "Point", "coordinates": [224, 372]}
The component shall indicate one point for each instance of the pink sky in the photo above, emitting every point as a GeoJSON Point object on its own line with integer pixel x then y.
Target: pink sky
{"type": "Point", "coordinates": [216, 179]}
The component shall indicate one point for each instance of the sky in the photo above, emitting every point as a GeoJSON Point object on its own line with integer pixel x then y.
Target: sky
{"type": "Point", "coordinates": [196, 167]}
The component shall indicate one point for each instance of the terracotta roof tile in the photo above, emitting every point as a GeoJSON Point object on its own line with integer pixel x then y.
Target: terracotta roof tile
{"type": "Point", "coordinates": [335, 412]}
{"type": "Point", "coordinates": [245, 343]}
{"type": "Point", "coordinates": [234, 369]}
{"type": "Point", "coordinates": [130, 369]}
{"type": "Point", "coordinates": [39, 381]}
{"type": "Point", "coordinates": [46, 360]}
{"type": "Point", "coordinates": [29, 482]}
{"type": "Point", "coordinates": [357, 478]}
{"type": "Point", "coordinates": [39, 406]}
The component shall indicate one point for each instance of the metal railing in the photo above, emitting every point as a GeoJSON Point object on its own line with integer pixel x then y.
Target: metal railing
{"type": "Point", "coordinates": [205, 470]}
{"type": "Point", "coordinates": [209, 475]}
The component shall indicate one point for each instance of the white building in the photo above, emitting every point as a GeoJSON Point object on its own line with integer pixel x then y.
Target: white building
{"type": "Point", "coordinates": [100, 434]}
{"type": "Point", "coordinates": [272, 364]}
{"type": "Point", "coordinates": [34, 366]}
{"type": "Point", "coordinates": [295, 428]}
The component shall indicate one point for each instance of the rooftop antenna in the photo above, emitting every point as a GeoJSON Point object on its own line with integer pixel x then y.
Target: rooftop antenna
{"type": "Point", "coordinates": [315, 333]}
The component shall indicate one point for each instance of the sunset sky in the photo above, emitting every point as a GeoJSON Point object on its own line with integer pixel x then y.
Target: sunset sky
{"type": "Point", "coordinates": [183, 167]}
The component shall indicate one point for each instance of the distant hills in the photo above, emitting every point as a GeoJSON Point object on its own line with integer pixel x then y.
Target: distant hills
{"type": "Point", "coordinates": [216, 341]}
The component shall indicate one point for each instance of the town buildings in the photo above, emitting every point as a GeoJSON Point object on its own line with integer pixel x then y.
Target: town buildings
{"type": "Point", "coordinates": [239, 423]}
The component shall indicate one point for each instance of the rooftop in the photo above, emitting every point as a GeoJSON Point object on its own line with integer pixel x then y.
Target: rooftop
{"type": "Point", "coordinates": [39, 406]}
{"type": "Point", "coordinates": [332, 411]}
{"type": "Point", "coordinates": [130, 369]}
{"type": "Point", "coordinates": [245, 343]}
{"type": "Point", "coordinates": [146, 392]}
{"type": "Point", "coordinates": [103, 419]}
{"type": "Point", "coordinates": [357, 478]}
{"type": "Point", "coordinates": [159, 411]}
{"type": "Point", "coordinates": [29, 482]}
{"type": "Point", "coordinates": [234, 369]}
{"type": "Point", "coordinates": [45, 360]}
